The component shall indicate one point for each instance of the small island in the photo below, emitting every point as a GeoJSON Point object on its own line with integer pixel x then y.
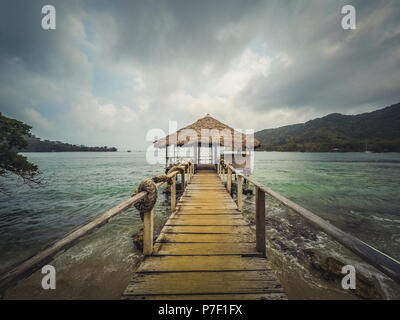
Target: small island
{"type": "Point", "coordinates": [35, 144]}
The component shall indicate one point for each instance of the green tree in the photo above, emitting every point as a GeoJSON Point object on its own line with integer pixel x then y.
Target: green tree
{"type": "Point", "coordinates": [12, 138]}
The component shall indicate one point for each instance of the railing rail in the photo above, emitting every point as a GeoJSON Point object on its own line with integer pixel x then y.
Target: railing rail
{"type": "Point", "coordinates": [371, 255]}
{"type": "Point", "coordinates": [30, 265]}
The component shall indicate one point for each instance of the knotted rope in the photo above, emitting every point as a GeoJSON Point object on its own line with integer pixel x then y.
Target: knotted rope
{"type": "Point", "coordinates": [150, 187]}
{"type": "Point", "coordinates": [176, 168]}
{"type": "Point", "coordinates": [148, 202]}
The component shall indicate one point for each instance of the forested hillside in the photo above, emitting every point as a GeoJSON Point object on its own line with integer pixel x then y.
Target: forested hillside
{"type": "Point", "coordinates": [377, 131]}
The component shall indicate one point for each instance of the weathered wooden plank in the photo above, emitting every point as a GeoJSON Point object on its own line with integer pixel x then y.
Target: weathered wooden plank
{"type": "Point", "coordinates": [221, 238]}
{"type": "Point", "coordinates": [201, 211]}
{"type": "Point", "coordinates": [182, 249]}
{"type": "Point", "coordinates": [207, 212]}
{"type": "Point", "coordinates": [206, 229]}
{"type": "Point", "coordinates": [206, 221]}
{"type": "Point", "coordinates": [202, 263]}
{"type": "Point", "coordinates": [207, 206]}
{"type": "Point", "coordinates": [194, 217]}
{"type": "Point", "coordinates": [219, 203]}
{"type": "Point", "coordinates": [227, 296]}
{"type": "Point", "coordinates": [203, 283]}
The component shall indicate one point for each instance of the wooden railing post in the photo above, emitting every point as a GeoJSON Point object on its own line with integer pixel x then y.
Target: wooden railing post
{"type": "Point", "coordinates": [148, 221]}
{"type": "Point", "coordinates": [229, 182]}
{"type": "Point", "coordinates": [173, 193]}
{"type": "Point", "coordinates": [183, 180]}
{"type": "Point", "coordinates": [260, 221]}
{"type": "Point", "coordinates": [240, 192]}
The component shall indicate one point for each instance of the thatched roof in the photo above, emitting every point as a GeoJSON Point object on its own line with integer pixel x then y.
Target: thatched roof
{"type": "Point", "coordinates": [217, 131]}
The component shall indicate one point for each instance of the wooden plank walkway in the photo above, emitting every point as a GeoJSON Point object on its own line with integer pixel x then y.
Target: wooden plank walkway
{"type": "Point", "coordinates": [206, 250]}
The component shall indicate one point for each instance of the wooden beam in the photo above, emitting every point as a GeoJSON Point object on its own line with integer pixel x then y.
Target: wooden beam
{"type": "Point", "coordinates": [260, 221]}
{"type": "Point", "coordinates": [148, 222]}
{"type": "Point", "coordinates": [173, 194]}
{"type": "Point", "coordinates": [229, 182]}
{"type": "Point", "coordinates": [166, 156]}
{"type": "Point", "coordinates": [240, 192]}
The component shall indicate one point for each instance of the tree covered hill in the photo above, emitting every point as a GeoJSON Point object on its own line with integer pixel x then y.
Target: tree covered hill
{"type": "Point", "coordinates": [377, 131]}
{"type": "Point", "coordinates": [37, 145]}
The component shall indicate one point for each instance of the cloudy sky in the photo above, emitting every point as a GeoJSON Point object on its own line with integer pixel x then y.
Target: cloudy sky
{"type": "Point", "coordinates": [112, 70]}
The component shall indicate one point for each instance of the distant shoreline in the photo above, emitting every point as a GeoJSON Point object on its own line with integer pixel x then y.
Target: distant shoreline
{"type": "Point", "coordinates": [123, 151]}
{"type": "Point", "coordinates": [35, 144]}
{"type": "Point", "coordinates": [23, 151]}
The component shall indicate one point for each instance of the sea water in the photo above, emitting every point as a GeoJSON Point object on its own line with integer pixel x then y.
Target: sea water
{"type": "Point", "coordinates": [357, 192]}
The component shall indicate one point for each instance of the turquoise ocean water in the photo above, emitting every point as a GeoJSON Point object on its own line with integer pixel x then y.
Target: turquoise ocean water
{"type": "Point", "coordinates": [357, 192]}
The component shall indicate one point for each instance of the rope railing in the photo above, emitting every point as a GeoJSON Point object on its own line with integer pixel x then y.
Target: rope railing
{"type": "Point", "coordinates": [144, 199]}
{"type": "Point", "coordinates": [369, 254]}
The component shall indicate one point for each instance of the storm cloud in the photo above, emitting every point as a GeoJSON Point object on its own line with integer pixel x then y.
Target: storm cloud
{"type": "Point", "coordinates": [113, 70]}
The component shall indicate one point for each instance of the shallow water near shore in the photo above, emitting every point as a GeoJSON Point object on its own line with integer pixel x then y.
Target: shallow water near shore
{"type": "Point", "coordinates": [356, 192]}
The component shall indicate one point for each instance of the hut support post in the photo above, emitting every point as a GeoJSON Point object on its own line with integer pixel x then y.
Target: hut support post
{"type": "Point", "coordinates": [166, 156]}
{"type": "Point", "coordinates": [183, 180]}
{"type": "Point", "coordinates": [229, 182]}
{"type": "Point", "coordinates": [260, 221]}
{"type": "Point", "coordinates": [148, 220]}
{"type": "Point", "coordinates": [240, 192]}
{"type": "Point", "coordinates": [173, 194]}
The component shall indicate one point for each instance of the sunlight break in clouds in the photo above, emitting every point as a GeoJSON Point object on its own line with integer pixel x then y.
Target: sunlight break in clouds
{"type": "Point", "coordinates": [37, 120]}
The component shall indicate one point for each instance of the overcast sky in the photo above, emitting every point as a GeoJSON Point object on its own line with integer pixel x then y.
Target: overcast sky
{"type": "Point", "coordinates": [112, 70]}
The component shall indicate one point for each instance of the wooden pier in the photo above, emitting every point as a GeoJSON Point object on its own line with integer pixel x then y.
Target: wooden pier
{"type": "Point", "coordinates": [206, 250]}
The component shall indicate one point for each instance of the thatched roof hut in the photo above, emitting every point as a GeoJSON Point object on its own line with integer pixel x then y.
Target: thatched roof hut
{"type": "Point", "coordinates": [217, 134]}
